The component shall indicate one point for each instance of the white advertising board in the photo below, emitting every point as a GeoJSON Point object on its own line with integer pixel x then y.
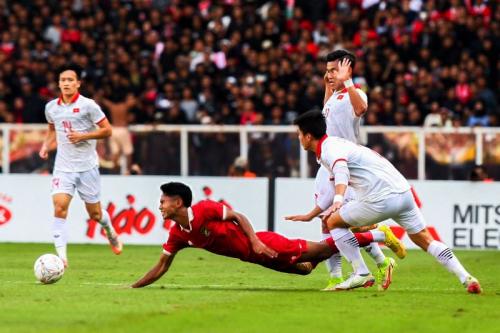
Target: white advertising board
{"type": "Point", "coordinates": [460, 213]}
{"type": "Point", "coordinates": [132, 202]}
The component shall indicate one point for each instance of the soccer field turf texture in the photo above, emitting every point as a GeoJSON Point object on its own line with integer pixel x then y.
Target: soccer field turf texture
{"type": "Point", "coordinates": [203, 292]}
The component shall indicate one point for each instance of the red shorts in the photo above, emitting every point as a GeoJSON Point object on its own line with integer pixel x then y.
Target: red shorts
{"type": "Point", "coordinates": [289, 250]}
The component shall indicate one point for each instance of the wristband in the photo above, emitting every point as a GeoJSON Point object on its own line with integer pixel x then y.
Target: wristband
{"type": "Point", "coordinates": [348, 83]}
{"type": "Point", "coordinates": [338, 198]}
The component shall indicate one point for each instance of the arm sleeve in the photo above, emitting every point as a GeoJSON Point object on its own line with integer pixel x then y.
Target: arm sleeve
{"type": "Point", "coordinates": [174, 243]}
{"type": "Point", "coordinates": [48, 116]}
{"type": "Point", "coordinates": [335, 157]}
{"type": "Point", "coordinates": [341, 172]}
{"type": "Point", "coordinates": [96, 113]}
{"type": "Point", "coordinates": [214, 210]}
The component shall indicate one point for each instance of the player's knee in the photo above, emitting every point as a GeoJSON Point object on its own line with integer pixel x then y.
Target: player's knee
{"type": "Point", "coordinates": [60, 211]}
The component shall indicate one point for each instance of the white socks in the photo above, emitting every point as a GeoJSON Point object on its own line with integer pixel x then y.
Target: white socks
{"type": "Point", "coordinates": [349, 247]}
{"type": "Point", "coordinates": [105, 222]}
{"type": "Point", "coordinates": [446, 258]}
{"type": "Point", "coordinates": [60, 236]}
{"type": "Point", "coordinates": [378, 236]}
{"type": "Point", "coordinates": [375, 252]}
{"type": "Point", "coordinates": [334, 263]}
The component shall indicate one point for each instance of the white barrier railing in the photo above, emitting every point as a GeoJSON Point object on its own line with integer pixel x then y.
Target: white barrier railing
{"type": "Point", "coordinates": [244, 131]}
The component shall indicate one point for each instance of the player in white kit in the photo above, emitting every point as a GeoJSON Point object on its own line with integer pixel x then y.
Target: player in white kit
{"type": "Point", "coordinates": [324, 194]}
{"type": "Point", "coordinates": [75, 122]}
{"type": "Point", "coordinates": [344, 105]}
{"type": "Point", "coordinates": [381, 193]}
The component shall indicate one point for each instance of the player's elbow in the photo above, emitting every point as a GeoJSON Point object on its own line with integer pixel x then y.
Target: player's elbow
{"type": "Point", "coordinates": [360, 110]}
{"type": "Point", "coordinates": [107, 132]}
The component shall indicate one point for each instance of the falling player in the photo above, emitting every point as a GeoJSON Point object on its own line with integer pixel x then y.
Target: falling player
{"type": "Point", "coordinates": [213, 226]}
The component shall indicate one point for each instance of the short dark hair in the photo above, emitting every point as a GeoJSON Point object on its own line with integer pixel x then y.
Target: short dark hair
{"type": "Point", "coordinates": [178, 189]}
{"type": "Point", "coordinates": [311, 122]}
{"type": "Point", "coordinates": [341, 54]}
{"type": "Point", "coordinates": [71, 67]}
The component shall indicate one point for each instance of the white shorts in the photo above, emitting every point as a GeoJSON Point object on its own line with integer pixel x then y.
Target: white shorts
{"type": "Point", "coordinates": [400, 207]}
{"type": "Point", "coordinates": [87, 183]}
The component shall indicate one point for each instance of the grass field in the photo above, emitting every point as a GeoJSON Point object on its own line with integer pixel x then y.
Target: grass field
{"type": "Point", "coordinates": [207, 293]}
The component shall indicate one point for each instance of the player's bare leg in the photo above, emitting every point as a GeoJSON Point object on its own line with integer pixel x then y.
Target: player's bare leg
{"type": "Point", "coordinates": [61, 203]}
{"type": "Point", "coordinates": [98, 214]}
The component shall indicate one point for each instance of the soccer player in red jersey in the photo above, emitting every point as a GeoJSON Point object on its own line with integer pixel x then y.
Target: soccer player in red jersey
{"type": "Point", "coordinates": [216, 228]}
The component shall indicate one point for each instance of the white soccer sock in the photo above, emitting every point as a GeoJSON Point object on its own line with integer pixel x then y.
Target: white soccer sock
{"type": "Point", "coordinates": [378, 236]}
{"type": "Point", "coordinates": [349, 247]}
{"type": "Point", "coordinates": [375, 252]}
{"type": "Point", "coordinates": [445, 256]}
{"type": "Point", "coordinates": [105, 222]}
{"type": "Point", "coordinates": [334, 263]}
{"type": "Point", "coordinates": [60, 236]}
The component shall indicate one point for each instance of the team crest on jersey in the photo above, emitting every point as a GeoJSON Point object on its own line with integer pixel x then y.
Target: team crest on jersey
{"type": "Point", "coordinates": [76, 110]}
{"type": "Point", "coordinates": [340, 96]}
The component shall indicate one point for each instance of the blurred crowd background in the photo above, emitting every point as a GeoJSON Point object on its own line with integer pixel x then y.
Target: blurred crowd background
{"type": "Point", "coordinates": [252, 62]}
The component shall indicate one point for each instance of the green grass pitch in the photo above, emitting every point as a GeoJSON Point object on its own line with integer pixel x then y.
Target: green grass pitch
{"type": "Point", "coordinates": [208, 293]}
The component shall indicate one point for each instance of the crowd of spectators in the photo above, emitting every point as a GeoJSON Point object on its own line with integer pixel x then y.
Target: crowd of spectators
{"type": "Point", "coordinates": [249, 62]}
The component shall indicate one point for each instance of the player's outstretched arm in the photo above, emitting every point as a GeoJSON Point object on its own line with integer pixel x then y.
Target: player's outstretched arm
{"type": "Point", "coordinates": [47, 143]}
{"type": "Point", "coordinates": [156, 272]}
{"type": "Point", "coordinates": [244, 223]}
{"type": "Point", "coordinates": [307, 217]}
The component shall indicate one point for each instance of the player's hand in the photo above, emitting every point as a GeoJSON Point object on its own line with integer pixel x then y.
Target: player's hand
{"type": "Point", "coordinates": [44, 152]}
{"type": "Point", "coordinates": [261, 248]}
{"type": "Point", "coordinates": [75, 137]}
{"type": "Point", "coordinates": [298, 218]}
{"type": "Point", "coordinates": [336, 206]}
{"type": "Point", "coordinates": [345, 71]}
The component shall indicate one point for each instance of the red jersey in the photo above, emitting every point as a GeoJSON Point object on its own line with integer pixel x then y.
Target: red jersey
{"type": "Point", "coordinates": [209, 231]}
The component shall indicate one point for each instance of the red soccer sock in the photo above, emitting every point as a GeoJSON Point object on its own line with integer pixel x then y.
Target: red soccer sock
{"type": "Point", "coordinates": [331, 244]}
{"type": "Point", "coordinates": [364, 238]}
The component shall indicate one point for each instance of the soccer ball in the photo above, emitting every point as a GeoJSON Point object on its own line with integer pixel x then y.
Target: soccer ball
{"type": "Point", "coordinates": [49, 268]}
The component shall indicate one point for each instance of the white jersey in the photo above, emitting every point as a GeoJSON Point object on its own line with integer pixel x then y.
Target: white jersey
{"type": "Point", "coordinates": [339, 115]}
{"type": "Point", "coordinates": [324, 189]}
{"type": "Point", "coordinates": [371, 176]}
{"type": "Point", "coordinates": [80, 115]}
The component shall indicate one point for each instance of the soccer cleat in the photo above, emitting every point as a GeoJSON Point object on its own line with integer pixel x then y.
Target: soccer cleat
{"type": "Point", "coordinates": [392, 242]}
{"type": "Point", "coordinates": [472, 285]}
{"type": "Point", "coordinates": [114, 242]}
{"type": "Point", "coordinates": [355, 281]}
{"type": "Point", "coordinates": [384, 273]}
{"type": "Point", "coordinates": [332, 282]}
